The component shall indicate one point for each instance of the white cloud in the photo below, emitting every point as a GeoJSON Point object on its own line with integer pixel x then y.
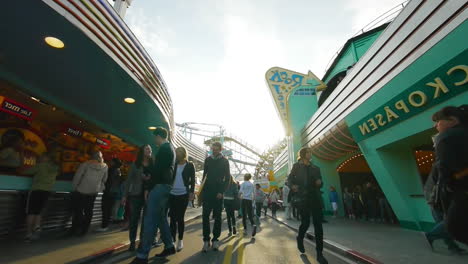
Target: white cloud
{"type": "Point", "coordinates": [152, 32]}
{"type": "Point", "coordinates": [365, 11]}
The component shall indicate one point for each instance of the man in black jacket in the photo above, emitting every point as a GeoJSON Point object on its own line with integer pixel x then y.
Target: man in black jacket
{"type": "Point", "coordinates": [157, 191]}
{"type": "Point", "coordinates": [216, 176]}
{"type": "Point", "coordinates": [305, 180]}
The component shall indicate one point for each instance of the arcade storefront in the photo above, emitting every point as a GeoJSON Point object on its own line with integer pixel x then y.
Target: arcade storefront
{"type": "Point", "coordinates": [46, 128]}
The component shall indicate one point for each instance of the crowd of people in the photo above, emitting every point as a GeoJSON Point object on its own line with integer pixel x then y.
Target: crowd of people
{"type": "Point", "coordinates": [161, 187]}
{"type": "Point", "coordinates": [366, 202]}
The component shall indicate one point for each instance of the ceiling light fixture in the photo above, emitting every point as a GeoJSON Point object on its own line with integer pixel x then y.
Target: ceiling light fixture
{"type": "Point", "coordinates": [35, 99]}
{"type": "Point", "coordinates": [129, 100]}
{"type": "Point", "coordinates": [152, 128]}
{"type": "Point", "coordinates": [54, 42]}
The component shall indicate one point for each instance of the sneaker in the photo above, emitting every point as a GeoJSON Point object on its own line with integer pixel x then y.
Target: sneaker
{"type": "Point", "coordinates": [457, 250]}
{"type": "Point", "coordinates": [28, 239]}
{"type": "Point", "coordinates": [321, 259]}
{"type": "Point", "coordinates": [300, 245]}
{"type": "Point", "coordinates": [180, 245]}
{"type": "Point", "coordinates": [429, 241]}
{"type": "Point", "coordinates": [166, 253]}
{"type": "Point", "coordinates": [139, 261]}
{"type": "Point", "coordinates": [229, 234]}
{"type": "Point", "coordinates": [132, 246]}
{"type": "Point", "coordinates": [206, 246]}
{"type": "Point", "coordinates": [234, 231]}
{"type": "Point", "coordinates": [215, 245]}
{"type": "Point", "coordinates": [254, 231]}
{"type": "Point", "coordinates": [158, 243]}
{"type": "Point", "coordinates": [102, 229]}
{"type": "Point", "coordinates": [245, 232]}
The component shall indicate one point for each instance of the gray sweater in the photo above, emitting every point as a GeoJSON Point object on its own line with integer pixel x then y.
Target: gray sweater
{"type": "Point", "coordinates": [134, 183]}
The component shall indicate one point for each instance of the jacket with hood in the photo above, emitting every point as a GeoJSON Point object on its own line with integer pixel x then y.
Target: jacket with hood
{"type": "Point", "coordinates": [90, 178]}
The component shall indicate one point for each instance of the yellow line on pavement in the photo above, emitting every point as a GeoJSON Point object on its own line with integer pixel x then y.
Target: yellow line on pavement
{"type": "Point", "coordinates": [228, 256]}
{"type": "Point", "coordinates": [240, 251]}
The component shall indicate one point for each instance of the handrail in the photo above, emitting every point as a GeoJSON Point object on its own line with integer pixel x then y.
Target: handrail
{"type": "Point", "coordinates": [371, 25]}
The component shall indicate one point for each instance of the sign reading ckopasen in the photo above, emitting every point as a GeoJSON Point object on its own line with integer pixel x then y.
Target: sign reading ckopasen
{"type": "Point", "coordinates": [432, 90]}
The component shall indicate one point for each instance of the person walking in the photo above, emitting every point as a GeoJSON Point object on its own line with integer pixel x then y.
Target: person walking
{"type": "Point", "coordinates": [259, 196]}
{"type": "Point", "coordinates": [112, 188]}
{"type": "Point", "coordinates": [451, 149]}
{"type": "Point", "coordinates": [157, 192]}
{"type": "Point", "coordinates": [216, 175]}
{"type": "Point", "coordinates": [231, 203]}
{"type": "Point", "coordinates": [246, 193]}
{"type": "Point", "coordinates": [348, 203]}
{"type": "Point", "coordinates": [182, 191]}
{"type": "Point", "coordinates": [286, 202]}
{"type": "Point", "coordinates": [274, 197]}
{"type": "Point", "coordinates": [45, 173]}
{"type": "Point", "coordinates": [305, 180]}
{"type": "Point", "coordinates": [266, 203]}
{"type": "Point", "coordinates": [439, 231]}
{"type": "Point", "coordinates": [89, 180]}
{"type": "Point", "coordinates": [334, 201]}
{"type": "Point", "coordinates": [134, 193]}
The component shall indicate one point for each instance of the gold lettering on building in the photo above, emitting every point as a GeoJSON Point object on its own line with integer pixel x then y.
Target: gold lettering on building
{"type": "Point", "coordinates": [439, 85]}
{"type": "Point", "coordinates": [390, 114]}
{"type": "Point", "coordinates": [380, 120]}
{"type": "Point", "coordinates": [401, 105]}
{"type": "Point", "coordinates": [372, 124]}
{"type": "Point", "coordinates": [412, 101]}
{"type": "Point", "coordinates": [461, 68]}
{"type": "Point", "coordinates": [364, 129]}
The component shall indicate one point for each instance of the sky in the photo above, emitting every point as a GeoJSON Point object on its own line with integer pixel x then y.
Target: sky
{"type": "Point", "coordinates": [213, 54]}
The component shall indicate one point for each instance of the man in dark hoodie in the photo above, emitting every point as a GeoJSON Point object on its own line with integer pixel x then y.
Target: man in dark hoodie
{"type": "Point", "coordinates": [216, 177]}
{"type": "Point", "coordinates": [158, 189]}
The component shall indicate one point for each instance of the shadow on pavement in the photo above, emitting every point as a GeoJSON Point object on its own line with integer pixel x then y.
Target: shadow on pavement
{"type": "Point", "coordinates": [305, 259]}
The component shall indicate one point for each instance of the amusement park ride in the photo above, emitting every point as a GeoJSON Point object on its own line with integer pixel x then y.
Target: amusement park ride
{"type": "Point", "coordinates": [244, 157]}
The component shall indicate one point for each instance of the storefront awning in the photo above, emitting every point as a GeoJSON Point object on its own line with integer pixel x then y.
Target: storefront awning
{"type": "Point", "coordinates": [100, 65]}
{"type": "Point", "coordinates": [337, 142]}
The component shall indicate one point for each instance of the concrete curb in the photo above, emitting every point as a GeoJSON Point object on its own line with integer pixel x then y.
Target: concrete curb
{"type": "Point", "coordinates": [335, 247]}
{"type": "Point", "coordinates": [113, 250]}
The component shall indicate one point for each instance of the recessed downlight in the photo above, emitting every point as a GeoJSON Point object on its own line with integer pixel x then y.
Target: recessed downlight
{"type": "Point", "coordinates": [54, 42]}
{"type": "Point", "coordinates": [152, 128]}
{"type": "Point", "coordinates": [129, 100]}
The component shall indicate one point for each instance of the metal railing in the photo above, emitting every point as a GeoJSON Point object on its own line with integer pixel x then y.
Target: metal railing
{"type": "Point", "coordinates": [386, 17]}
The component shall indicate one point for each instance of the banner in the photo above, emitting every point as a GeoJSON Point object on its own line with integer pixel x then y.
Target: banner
{"type": "Point", "coordinates": [16, 109]}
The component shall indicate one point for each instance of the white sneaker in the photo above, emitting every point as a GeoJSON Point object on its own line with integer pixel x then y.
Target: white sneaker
{"type": "Point", "coordinates": [206, 246]}
{"type": "Point", "coordinates": [180, 245]}
{"type": "Point", "coordinates": [215, 245]}
{"type": "Point", "coordinates": [102, 229]}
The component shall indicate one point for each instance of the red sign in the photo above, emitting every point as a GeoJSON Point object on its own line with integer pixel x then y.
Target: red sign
{"type": "Point", "coordinates": [103, 143]}
{"type": "Point", "coordinates": [16, 109]}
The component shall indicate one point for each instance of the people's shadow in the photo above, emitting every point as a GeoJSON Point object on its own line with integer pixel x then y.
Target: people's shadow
{"type": "Point", "coordinates": [305, 259]}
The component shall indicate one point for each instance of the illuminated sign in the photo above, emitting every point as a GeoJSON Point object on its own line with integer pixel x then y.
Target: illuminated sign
{"type": "Point", "coordinates": [103, 143]}
{"type": "Point", "coordinates": [281, 82]}
{"type": "Point", "coordinates": [443, 84]}
{"type": "Point", "coordinates": [16, 109]}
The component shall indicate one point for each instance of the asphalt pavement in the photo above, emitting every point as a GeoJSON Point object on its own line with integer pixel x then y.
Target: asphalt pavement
{"type": "Point", "coordinates": [273, 244]}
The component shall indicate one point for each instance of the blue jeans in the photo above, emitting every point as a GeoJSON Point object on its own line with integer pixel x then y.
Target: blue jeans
{"type": "Point", "coordinates": [156, 217]}
{"type": "Point", "coordinates": [440, 230]}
